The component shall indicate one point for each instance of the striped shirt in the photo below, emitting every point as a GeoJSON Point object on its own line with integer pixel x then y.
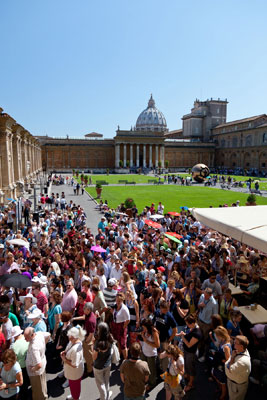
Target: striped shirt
{"type": "Point", "coordinates": [110, 296]}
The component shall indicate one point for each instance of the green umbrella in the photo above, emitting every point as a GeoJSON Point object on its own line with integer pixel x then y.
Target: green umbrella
{"type": "Point", "coordinates": [172, 238]}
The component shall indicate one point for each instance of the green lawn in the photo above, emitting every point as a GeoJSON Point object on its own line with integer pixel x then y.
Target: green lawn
{"type": "Point", "coordinates": [172, 196]}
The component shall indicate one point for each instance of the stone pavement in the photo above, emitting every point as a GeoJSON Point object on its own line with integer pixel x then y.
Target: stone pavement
{"type": "Point", "coordinates": [85, 201]}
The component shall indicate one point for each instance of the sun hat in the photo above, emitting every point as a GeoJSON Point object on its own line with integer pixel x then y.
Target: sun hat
{"type": "Point", "coordinates": [28, 296]}
{"type": "Point", "coordinates": [16, 331]}
{"type": "Point", "coordinates": [243, 260]}
{"type": "Point", "coordinates": [37, 313]}
{"type": "Point", "coordinates": [161, 269]}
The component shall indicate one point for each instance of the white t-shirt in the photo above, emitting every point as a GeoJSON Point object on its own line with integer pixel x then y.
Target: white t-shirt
{"type": "Point", "coordinates": [122, 315]}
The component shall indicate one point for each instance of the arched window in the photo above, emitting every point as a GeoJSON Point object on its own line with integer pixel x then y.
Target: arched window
{"type": "Point", "coordinates": [223, 143]}
{"type": "Point", "coordinates": [264, 138]}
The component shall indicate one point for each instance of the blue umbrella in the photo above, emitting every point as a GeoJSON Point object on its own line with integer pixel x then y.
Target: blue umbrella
{"type": "Point", "coordinates": [184, 207]}
{"type": "Point", "coordinates": [10, 199]}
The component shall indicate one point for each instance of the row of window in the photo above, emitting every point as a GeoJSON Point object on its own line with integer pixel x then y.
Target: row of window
{"type": "Point", "coordinates": [247, 141]}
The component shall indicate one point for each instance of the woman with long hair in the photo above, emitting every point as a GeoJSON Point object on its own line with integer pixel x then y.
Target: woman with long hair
{"type": "Point", "coordinates": [102, 360]}
{"type": "Point", "coordinates": [173, 376]}
{"type": "Point", "coordinates": [224, 353]}
{"type": "Point", "coordinates": [133, 308]}
{"type": "Point", "coordinates": [72, 358]}
{"type": "Point", "coordinates": [150, 343]}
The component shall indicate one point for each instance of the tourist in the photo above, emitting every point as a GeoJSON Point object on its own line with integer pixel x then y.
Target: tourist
{"type": "Point", "coordinates": [72, 358]}
{"type": "Point", "coordinates": [150, 343]}
{"type": "Point", "coordinates": [102, 360]}
{"type": "Point", "coordinates": [134, 374]}
{"type": "Point", "coordinates": [11, 375]}
{"type": "Point", "coordinates": [237, 369]}
{"type": "Point", "coordinates": [190, 344]}
{"type": "Point", "coordinates": [70, 297]}
{"type": "Point", "coordinates": [173, 378]}
{"type": "Point", "coordinates": [121, 319]}
{"type": "Point", "coordinates": [36, 362]}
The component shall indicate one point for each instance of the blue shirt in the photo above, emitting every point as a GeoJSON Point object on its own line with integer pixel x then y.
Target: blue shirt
{"type": "Point", "coordinates": [9, 377]}
{"type": "Point", "coordinates": [40, 326]}
{"type": "Point", "coordinates": [211, 307]}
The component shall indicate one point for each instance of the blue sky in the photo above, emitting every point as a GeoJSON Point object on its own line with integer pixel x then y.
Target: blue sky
{"type": "Point", "coordinates": [73, 67]}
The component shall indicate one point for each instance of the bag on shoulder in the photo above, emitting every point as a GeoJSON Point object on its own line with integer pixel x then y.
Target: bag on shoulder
{"type": "Point", "coordinates": [115, 354]}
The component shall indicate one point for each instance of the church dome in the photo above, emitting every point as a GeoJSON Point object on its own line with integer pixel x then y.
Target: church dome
{"type": "Point", "coordinates": [151, 119]}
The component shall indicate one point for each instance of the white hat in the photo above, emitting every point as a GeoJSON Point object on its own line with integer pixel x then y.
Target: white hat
{"type": "Point", "coordinates": [36, 279]}
{"type": "Point", "coordinates": [37, 313]}
{"type": "Point", "coordinates": [43, 279]}
{"type": "Point", "coordinates": [16, 331]}
{"type": "Point", "coordinates": [2, 246]}
{"type": "Point", "coordinates": [28, 296]}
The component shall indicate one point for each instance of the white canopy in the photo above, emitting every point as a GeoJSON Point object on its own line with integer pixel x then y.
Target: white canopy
{"type": "Point", "coordinates": [245, 224]}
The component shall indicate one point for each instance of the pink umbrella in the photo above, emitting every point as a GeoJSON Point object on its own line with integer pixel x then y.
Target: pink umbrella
{"type": "Point", "coordinates": [98, 249]}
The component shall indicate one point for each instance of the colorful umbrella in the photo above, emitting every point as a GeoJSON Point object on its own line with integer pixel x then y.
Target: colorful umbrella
{"type": "Point", "coordinates": [174, 213]}
{"type": "Point", "coordinates": [153, 224]}
{"type": "Point", "coordinates": [98, 249]}
{"type": "Point", "coordinates": [173, 238]}
{"type": "Point", "coordinates": [174, 234]}
{"type": "Point", "coordinates": [184, 207]}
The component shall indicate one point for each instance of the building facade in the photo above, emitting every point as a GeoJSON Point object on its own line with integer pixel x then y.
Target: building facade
{"type": "Point", "coordinates": [20, 157]}
{"type": "Point", "coordinates": [206, 137]}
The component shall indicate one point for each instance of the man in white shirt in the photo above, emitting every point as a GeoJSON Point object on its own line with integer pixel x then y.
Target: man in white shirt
{"type": "Point", "coordinates": [36, 362]}
{"type": "Point", "coordinates": [116, 271]}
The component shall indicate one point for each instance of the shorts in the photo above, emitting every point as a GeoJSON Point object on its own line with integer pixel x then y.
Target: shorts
{"type": "Point", "coordinates": [177, 392]}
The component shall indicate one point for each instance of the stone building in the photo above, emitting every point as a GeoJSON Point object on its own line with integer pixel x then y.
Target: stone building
{"type": "Point", "coordinates": [20, 157]}
{"type": "Point", "coordinates": [206, 137]}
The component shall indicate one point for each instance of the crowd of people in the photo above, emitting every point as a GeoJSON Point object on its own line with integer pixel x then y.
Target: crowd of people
{"type": "Point", "coordinates": [155, 306]}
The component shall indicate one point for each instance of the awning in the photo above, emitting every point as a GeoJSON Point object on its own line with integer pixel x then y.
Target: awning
{"type": "Point", "coordinates": [245, 224]}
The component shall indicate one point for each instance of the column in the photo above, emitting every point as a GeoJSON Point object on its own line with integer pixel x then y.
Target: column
{"type": "Point", "coordinates": [16, 156]}
{"type": "Point", "coordinates": [150, 157]}
{"type": "Point", "coordinates": [137, 155]}
{"type": "Point", "coordinates": [117, 156]}
{"type": "Point", "coordinates": [157, 157]}
{"type": "Point", "coordinates": [144, 156]}
{"type": "Point", "coordinates": [162, 155]}
{"type": "Point", "coordinates": [124, 155]}
{"type": "Point", "coordinates": [131, 155]}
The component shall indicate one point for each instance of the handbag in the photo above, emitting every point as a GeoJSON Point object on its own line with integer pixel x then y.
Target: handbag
{"type": "Point", "coordinates": [115, 354]}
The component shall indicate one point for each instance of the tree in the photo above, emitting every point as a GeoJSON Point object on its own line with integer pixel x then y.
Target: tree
{"type": "Point", "coordinates": [159, 164]}
{"type": "Point", "coordinates": [127, 163]}
{"type": "Point", "coordinates": [121, 163]}
{"type": "Point", "coordinates": [166, 164]}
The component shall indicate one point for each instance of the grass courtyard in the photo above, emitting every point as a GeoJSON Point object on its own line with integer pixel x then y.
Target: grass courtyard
{"type": "Point", "coordinates": [173, 197]}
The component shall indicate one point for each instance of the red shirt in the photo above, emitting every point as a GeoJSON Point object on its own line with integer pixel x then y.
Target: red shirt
{"type": "Point", "coordinates": [41, 301]}
{"type": "Point", "coordinates": [90, 323]}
